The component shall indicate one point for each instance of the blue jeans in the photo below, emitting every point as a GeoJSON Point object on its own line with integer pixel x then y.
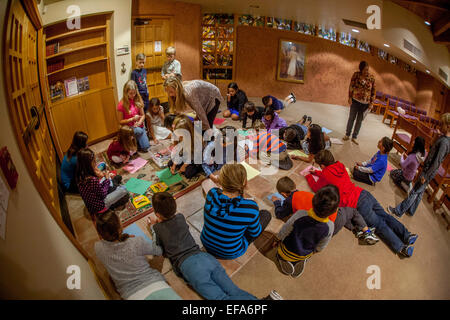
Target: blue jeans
{"type": "Point", "coordinates": [141, 138]}
{"type": "Point", "coordinates": [207, 276]}
{"type": "Point", "coordinates": [389, 229]}
{"type": "Point", "coordinates": [411, 203]}
{"type": "Point", "coordinates": [304, 128]}
{"type": "Point", "coordinates": [115, 196]}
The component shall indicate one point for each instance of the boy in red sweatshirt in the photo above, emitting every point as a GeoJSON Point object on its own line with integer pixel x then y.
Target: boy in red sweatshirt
{"type": "Point", "coordinates": [389, 229]}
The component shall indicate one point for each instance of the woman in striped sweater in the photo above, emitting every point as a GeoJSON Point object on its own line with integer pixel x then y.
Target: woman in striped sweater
{"type": "Point", "coordinates": [231, 221]}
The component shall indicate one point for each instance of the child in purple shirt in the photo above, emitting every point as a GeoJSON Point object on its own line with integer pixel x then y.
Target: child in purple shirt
{"type": "Point", "coordinates": [272, 121]}
{"type": "Point", "coordinates": [410, 163]}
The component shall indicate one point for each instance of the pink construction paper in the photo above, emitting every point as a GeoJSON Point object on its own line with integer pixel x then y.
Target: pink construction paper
{"type": "Point", "coordinates": [219, 121]}
{"type": "Point", "coordinates": [135, 165]}
{"type": "Point", "coordinates": [305, 172]}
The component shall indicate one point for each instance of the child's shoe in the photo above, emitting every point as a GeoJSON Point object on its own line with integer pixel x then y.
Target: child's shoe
{"type": "Point", "coordinates": [286, 266]}
{"type": "Point", "coordinates": [412, 238]}
{"type": "Point", "coordinates": [299, 268]}
{"type": "Point", "coordinates": [370, 238]}
{"type": "Point", "coordinates": [392, 211]}
{"type": "Point", "coordinates": [407, 251]}
{"type": "Point", "coordinates": [273, 295]}
{"type": "Point", "coordinates": [293, 97]}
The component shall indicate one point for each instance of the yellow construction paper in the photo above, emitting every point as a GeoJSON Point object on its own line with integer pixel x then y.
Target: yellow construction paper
{"type": "Point", "coordinates": [297, 153]}
{"type": "Point", "coordinates": [251, 172]}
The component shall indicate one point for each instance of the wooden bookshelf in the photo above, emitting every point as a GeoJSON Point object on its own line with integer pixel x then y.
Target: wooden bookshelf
{"type": "Point", "coordinates": [85, 55]}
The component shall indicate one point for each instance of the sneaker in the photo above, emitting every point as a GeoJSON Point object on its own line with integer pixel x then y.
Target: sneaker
{"type": "Point", "coordinates": [370, 238]}
{"type": "Point", "coordinates": [293, 97]}
{"type": "Point", "coordinates": [355, 141]}
{"type": "Point", "coordinates": [273, 295]}
{"type": "Point", "coordinates": [299, 268]}
{"type": "Point", "coordinates": [345, 138]}
{"type": "Point", "coordinates": [304, 119]}
{"type": "Point", "coordinates": [309, 119]}
{"type": "Point", "coordinates": [407, 251]}
{"type": "Point", "coordinates": [392, 211]}
{"type": "Point", "coordinates": [412, 238]}
{"type": "Point", "coordinates": [286, 266]}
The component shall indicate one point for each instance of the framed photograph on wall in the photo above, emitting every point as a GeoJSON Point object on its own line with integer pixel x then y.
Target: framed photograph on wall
{"type": "Point", "coordinates": [291, 61]}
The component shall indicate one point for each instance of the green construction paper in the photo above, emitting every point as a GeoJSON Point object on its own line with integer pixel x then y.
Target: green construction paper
{"type": "Point", "coordinates": [244, 133]}
{"type": "Point", "coordinates": [137, 185]}
{"type": "Point", "coordinates": [167, 177]}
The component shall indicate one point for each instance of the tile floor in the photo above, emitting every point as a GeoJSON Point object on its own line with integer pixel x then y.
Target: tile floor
{"type": "Point", "coordinates": [339, 272]}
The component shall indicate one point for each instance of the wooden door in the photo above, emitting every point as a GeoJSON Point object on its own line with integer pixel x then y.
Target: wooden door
{"type": "Point", "coordinates": [26, 107]}
{"type": "Point", "coordinates": [155, 33]}
{"type": "Point", "coordinates": [67, 117]}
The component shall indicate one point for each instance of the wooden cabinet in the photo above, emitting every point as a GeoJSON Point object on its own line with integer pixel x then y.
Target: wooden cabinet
{"type": "Point", "coordinates": [81, 54]}
{"type": "Point", "coordinates": [93, 113]}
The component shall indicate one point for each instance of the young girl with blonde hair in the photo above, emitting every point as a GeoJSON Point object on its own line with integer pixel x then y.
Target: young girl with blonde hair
{"type": "Point", "coordinates": [123, 146]}
{"type": "Point", "coordinates": [131, 113]}
{"type": "Point", "coordinates": [240, 219]}
{"type": "Point", "coordinates": [201, 96]}
{"type": "Point", "coordinates": [179, 157]}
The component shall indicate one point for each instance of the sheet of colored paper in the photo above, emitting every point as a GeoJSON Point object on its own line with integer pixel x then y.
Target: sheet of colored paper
{"type": "Point", "coordinates": [137, 185]}
{"type": "Point", "coordinates": [244, 133]}
{"type": "Point", "coordinates": [136, 231]}
{"type": "Point", "coordinates": [297, 153]}
{"type": "Point", "coordinates": [219, 121]}
{"type": "Point", "coordinates": [336, 141]}
{"type": "Point", "coordinates": [276, 194]}
{"type": "Point", "coordinates": [305, 171]}
{"type": "Point", "coordinates": [135, 165]}
{"type": "Point", "coordinates": [191, 114]}
{"type": "Point", "coordinates": [389, 167]}
{"type": "Point", "coordinates": [325, 130]}
{"type": "Point", "coordinates": [167, 177]}
{"type": "Point", "coordinates": [349, 172]}
{"type": "Point", "coordinates": [251, 172]}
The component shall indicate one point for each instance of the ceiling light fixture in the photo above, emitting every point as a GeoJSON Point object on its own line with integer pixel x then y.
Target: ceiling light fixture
{"type": "Point", "coordinates": [413, 61]}
{"type": "Point", "coordinates": [428, 71]}
{"type": "Point", "coordinates": [354, 30]}
{"type": "Point", "coordinates": [427, 23]}
{"type": "Point", "coordinates": [386, 45]}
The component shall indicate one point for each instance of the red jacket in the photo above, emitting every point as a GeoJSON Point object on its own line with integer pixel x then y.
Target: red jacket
{"type": "Point", "coordinates": [337, 174]}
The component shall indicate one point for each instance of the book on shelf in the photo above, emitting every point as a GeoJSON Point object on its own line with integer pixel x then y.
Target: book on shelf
{"type": "Point", "coordinates": [52, 49]}
{"type": "Point", "coordinates": [57, 91]}
{"type": "Point", "coordinates": [71, 86]}
{"type": "Point", "coordinates": [83, 84]}
{"type": "Point", "coordinates": [55, 66]}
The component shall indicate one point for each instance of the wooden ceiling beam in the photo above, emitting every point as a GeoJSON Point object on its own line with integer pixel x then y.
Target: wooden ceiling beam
{"type": "Point", "coordinates": [423, 4]}
{"type": "Point", "coordinates": [441, 25]}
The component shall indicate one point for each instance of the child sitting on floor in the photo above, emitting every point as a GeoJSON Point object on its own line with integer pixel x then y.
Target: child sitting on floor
{"type": "Point", "coordinates": [302, 200]}
{"type": "Point", "coordinates": [307, 232]}
{"type": "Point", "coordinates": [155, 121]}
{"type": "Point", "coordinates": [373, 171]}
{"type": "Point", "coordinates": [98, 191]}
{"type": "Point", "coordinates": [252, 112]}
{"type": "Point", "coordinates": [315, 141]}
{"type": "Point", "coordinates": [124, 257]}
{"type": "Point", "coordinates": [224, 149]}
{"type": "Point", "coordinates": [272, 102]}
{"type": "Point", "coordinates": [180, 153]}
{"type": "Point", "coordinates": [403, 177]}
{"type": "Point", "coordinates": [69, 162]}
{"type": "Point", "coordinates": [272, 121]}
{"type": "Point", "coordinates": [200, 269]}
{"type": "Point", "coordinates": [240, 219]}
{"type": "Point", "coordinates": [123, 146]}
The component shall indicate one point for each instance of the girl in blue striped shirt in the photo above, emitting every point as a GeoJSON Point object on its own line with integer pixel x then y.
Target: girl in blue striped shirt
{"type": "Point", "coordinates": [231, 221]}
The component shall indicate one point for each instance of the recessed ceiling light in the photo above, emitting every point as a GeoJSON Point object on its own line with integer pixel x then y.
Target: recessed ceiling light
{"type": "Point", "coordinates": [413, 61]}
{"type": "Point", "coordinates": [354, 30]}
{"type": "Point", "coordinates": [427, 23]}
{"type": "Point", "coordinates": [428, 71]}
{"type": "Point", "coordinates": [386, 45]}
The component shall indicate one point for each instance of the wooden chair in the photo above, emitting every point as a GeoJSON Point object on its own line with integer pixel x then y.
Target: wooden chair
{"type": "Point", "coordinates": [391, 111]}
{"type": "Point", "coordinates": [441, 178]}
{"type": "Point", "coordinates": [444, 200]}
{"type": "Point", "coordinates": [403, 141]}
{"type": "Point", "coordinates": [379, 102]}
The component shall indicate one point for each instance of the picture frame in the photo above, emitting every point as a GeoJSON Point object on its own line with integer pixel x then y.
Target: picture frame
{"type": "Point", "coordinates": [291, 61]}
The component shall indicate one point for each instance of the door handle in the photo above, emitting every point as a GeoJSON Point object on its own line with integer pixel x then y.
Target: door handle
{"type": "Point", "coordinates": [34, 123]}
